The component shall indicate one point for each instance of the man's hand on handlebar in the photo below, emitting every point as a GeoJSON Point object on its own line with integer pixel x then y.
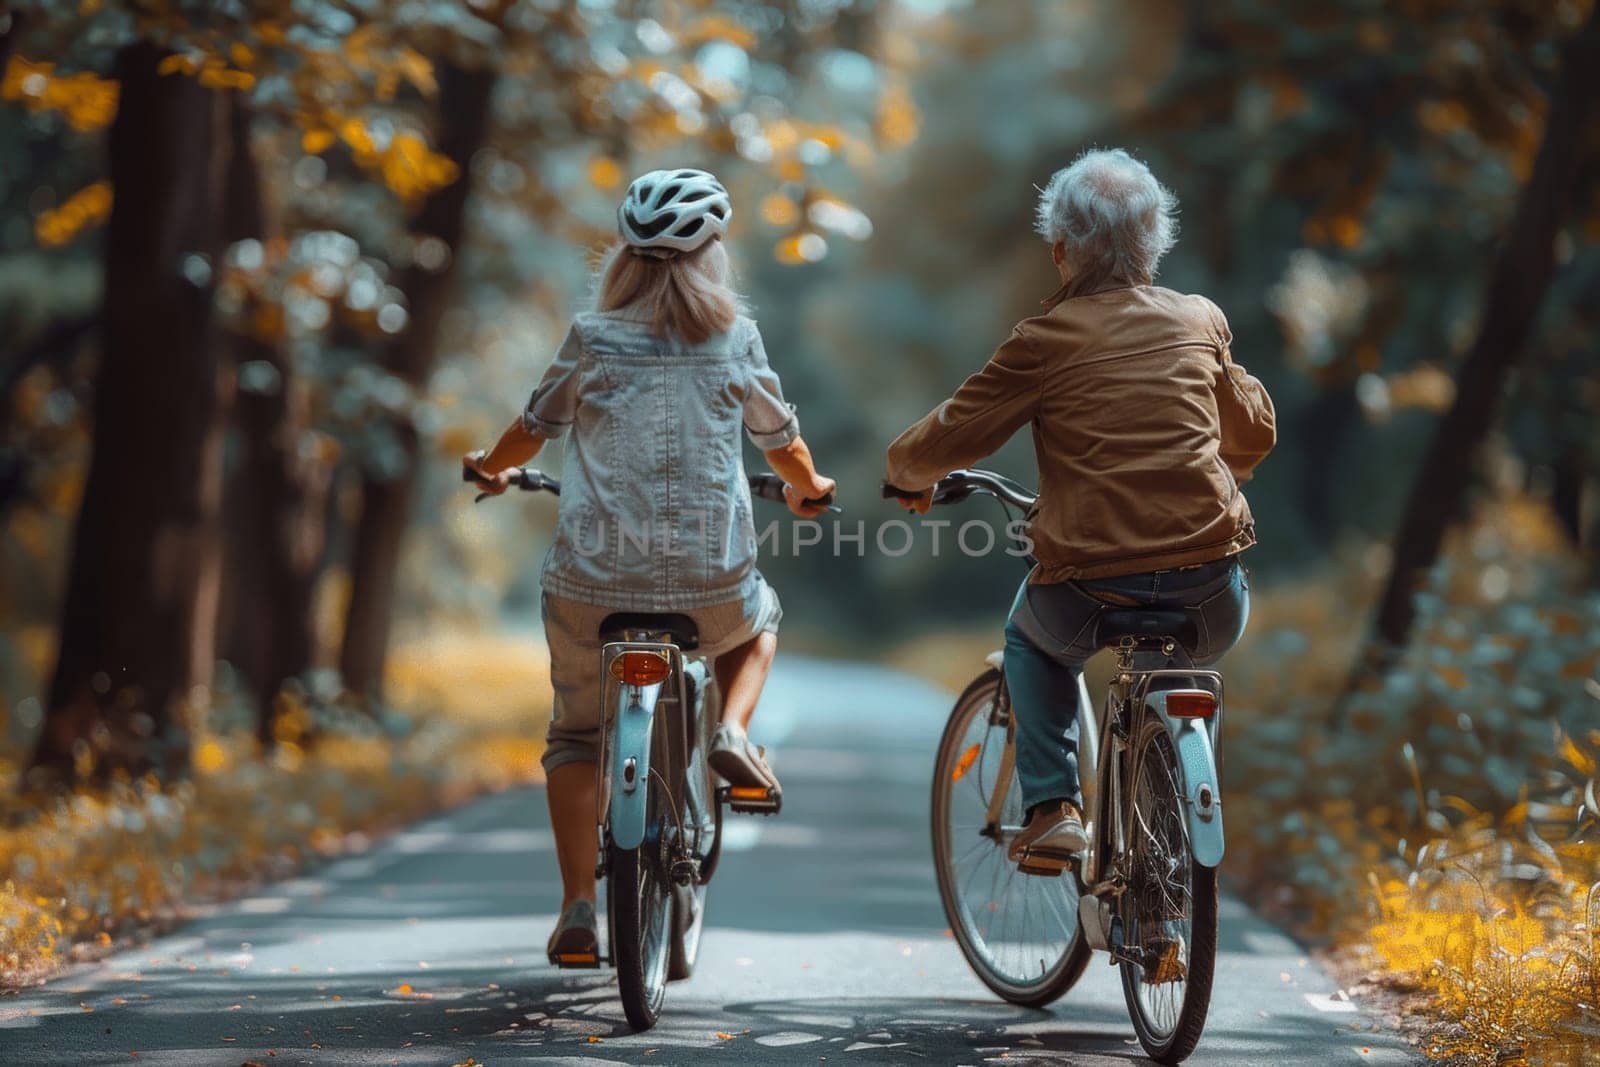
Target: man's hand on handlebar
{"type": "Point", "coordinates": [488, 484]}
{"type": "Point", "coordinates": [919, 502]}
{"type": "Point", "coordinates": [821, 489]}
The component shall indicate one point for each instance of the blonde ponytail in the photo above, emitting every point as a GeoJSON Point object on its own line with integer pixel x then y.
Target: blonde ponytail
{"type": "Point", "coordinates": [688, 296]}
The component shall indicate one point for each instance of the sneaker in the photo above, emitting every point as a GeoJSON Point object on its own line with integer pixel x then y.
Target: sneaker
{"type": "Point", "coordinates": [740, 763]}
{"type": "Point", "coordinates": [1051, 840]}
{"type": "Point", "coordinates": [575, 941]}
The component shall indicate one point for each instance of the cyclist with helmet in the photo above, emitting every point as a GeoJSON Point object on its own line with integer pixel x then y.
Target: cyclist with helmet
{"type": "Point", "coordinates": [651, 390]}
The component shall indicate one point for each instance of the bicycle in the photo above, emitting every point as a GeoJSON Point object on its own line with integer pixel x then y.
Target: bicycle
{"type": "Point", "coordinates": [1145, 892]}
{"type": "Point", "coordinates": [660, 817]}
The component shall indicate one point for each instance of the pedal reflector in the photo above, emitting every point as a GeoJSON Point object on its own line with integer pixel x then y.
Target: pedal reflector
{"type": "Point", "coordinates": [750, 800]}
{"type": "Point", "coordinates": [964, 763]}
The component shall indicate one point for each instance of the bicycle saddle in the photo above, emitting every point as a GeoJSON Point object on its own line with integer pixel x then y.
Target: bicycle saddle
{"type": "Point", "coordinates": [1149, 623]}
{"type": "Point", "coordinates": [679, 627]}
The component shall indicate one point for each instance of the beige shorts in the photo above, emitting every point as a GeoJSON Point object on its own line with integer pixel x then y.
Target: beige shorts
{"type": "Point", "coordinates": [572, 629]}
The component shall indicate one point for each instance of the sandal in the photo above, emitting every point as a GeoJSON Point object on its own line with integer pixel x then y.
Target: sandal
{"type": "Point", "coordinates": [741, 764]}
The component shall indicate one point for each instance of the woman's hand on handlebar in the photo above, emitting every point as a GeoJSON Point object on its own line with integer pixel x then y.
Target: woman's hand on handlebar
{"type": "Point", "coordinates": [821, 489]}
{"type": "Point", "coordinates": [488, 484]}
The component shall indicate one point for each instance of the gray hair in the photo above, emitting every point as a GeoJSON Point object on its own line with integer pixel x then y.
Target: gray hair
{"type": "Point", "coordinates": [1114, 218]}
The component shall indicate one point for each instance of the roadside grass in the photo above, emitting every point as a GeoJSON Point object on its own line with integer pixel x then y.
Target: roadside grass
{"type": "Point", "coordinates": [88, 868]}
{"type": "Point", "coordinates": [1441, 834]}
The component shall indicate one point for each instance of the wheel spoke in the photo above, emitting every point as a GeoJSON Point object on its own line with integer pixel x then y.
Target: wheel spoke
{"type": "Point", "coordinates": [1159, 914]}
{"type": "Point", "coordinates": [1016, 943]}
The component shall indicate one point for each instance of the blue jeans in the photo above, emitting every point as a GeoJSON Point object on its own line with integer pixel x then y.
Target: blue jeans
{"type": "Point", "coordinates": [1051, 633]}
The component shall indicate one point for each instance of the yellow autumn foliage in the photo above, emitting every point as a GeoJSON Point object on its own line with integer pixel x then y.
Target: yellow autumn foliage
{"type": "Point", "coordinates": [404, 163]}
{"type": "Point", "coordinates": [84, 209]}
{"type": "Point", "coordinates": [77, 871]}
{"type": "Point", "coordinates": [87, 101]}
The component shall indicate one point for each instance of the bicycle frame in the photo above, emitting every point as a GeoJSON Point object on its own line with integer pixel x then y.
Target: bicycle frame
{"type": "Point", "coordinates": [1146, 881]}
{"type": "Point", "coordinates": [1133, 694]}
{"type": "Point", "coordinates": [627, 731]}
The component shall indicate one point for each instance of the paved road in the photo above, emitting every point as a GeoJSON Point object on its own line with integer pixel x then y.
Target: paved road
{"type": "Point", "coordinates": [825, 943]}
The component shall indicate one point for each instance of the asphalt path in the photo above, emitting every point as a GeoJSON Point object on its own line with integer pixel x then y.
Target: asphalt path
{"type": "Point", "coordinates": [825, 942]}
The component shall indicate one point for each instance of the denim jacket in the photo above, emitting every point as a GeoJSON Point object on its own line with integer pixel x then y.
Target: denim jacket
{"type": "Point", "coordinates": [655, 509]}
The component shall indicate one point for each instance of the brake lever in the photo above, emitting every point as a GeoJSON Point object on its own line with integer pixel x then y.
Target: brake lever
{"type": "Point", "coordinates": [472, 477]}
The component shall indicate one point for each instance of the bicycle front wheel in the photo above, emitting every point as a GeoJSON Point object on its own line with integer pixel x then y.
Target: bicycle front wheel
{"type": "Point", "coordinates": [1169, 912]}
{"type": "Point", "coordinates": [1018, 932]}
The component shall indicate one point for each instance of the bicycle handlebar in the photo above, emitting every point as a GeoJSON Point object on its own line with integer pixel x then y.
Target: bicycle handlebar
{"type": "Point", "coordinates": [769, 486]}
{"type": "Point", "coordinates": [528, 479]}
{"type": "Point", "coordinates": [960, 484]}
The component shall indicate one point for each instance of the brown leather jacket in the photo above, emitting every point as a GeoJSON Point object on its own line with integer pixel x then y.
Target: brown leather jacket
{"type": "Point", "coordinates": [1143, 426]}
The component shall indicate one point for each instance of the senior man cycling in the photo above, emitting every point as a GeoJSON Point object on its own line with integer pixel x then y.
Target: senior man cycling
{"type": "Point", "coordinates": [1144, 429]}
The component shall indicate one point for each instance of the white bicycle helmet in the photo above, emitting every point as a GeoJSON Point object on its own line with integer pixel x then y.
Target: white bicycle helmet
{"type": "Point", "coordinates": [672, 211]}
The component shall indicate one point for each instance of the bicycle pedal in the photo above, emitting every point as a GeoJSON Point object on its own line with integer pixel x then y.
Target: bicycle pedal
{"type": "Point", "coordinates": [750, 800]}
{"type": "Point", "coordinates": [575, 960]}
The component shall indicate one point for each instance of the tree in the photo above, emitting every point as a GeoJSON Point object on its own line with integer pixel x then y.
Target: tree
{"type": "Point", "coordinates": [137, 625]}
{"type": "Point", "coordinates": [386, 500]}
{"type": "Point", "coordinates": [1521, 275]}
{"type": "Point", "coordinates": [277, 492]}
{"type": "Point", "coordinates": [138, 635]}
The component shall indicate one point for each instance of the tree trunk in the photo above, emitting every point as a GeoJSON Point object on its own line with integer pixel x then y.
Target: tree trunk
{"type": "Point", "coordinates": [137, 635]}
{"type": "Point", "coordinates": [1517, 286]}
{"type": "Point", "coordinates": [277, 493]}
{"type": "Point", "coordinates": [10, 29]}
{"type": "Point", "coordinates": [464, 112]}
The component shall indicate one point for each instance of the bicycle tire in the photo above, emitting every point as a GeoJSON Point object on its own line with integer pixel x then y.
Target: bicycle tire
{"type": "Point", "coordinates": [636, 910]}
{"type": "Point", "coordinates": [1055, 976]}
{"type": "Point", "coordinates": [698, 791]}
{"type": "Point", "coordinates": [1175, 1041]}
{"type": "Point", "coordinates": [639, 898]}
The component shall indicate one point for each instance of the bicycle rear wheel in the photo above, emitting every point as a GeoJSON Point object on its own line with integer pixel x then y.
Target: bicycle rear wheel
{"type": "Point", "coordinates": [702, 820]}
{"type": "Point", "coordinates": [639, 897]}
{"type": "Point", "coordinates": [1169, 912]}
{"type": "Point", "coordinates": [1018, 932]}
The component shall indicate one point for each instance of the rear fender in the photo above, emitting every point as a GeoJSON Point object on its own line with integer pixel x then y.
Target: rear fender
{"type": "Point", "coordinates": [631, 730]}
{"type": "Point", "coordinates": [1197, 767]}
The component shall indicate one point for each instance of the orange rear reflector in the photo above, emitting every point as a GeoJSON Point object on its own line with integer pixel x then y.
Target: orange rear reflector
{"type": "Point", "coordinates": [1191, 704]}
{"type": "Point", "coordinates": [747, 792]}
{"type": "Point", "coordinates": [964, 763]}
{"type": "Point", "coordinates": [641, 668]}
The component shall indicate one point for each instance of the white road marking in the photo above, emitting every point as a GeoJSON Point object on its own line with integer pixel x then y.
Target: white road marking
{"type": "Point", "coordinates": [1263, 943]}
{"type": "Point", "coordinates": [787, 1038]}
{"type": "Point", "coordinates": [416, 842]}
{"type": "Point", "coordinates": [1335, 1003]}
{"type": "Point", "coordinates": [263, 905]}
